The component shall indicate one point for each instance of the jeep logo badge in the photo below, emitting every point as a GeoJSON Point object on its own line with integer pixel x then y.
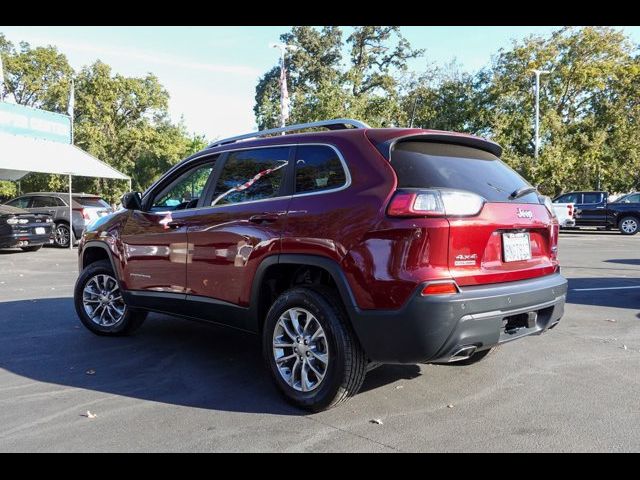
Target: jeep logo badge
{"type": "Point", "coordinates": [524, 213]}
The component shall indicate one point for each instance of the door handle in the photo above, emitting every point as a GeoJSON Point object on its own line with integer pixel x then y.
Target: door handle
{"type": "Point", "coordinates": [175, 225]}
{"type": "Point", "coordinates": [264, 217]}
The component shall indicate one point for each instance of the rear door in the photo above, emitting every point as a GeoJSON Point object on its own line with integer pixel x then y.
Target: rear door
{"type": "Point", "coordinates": [593, 209]}
{"type": "Point", "coordinates": [513, 237]}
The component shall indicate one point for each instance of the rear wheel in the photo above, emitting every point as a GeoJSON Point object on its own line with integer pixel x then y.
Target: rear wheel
{"type": "Point", "coordinates": [629, 225]}
{"type": "Point", "coordinates": [61, 235]}
{"type": "Point", "coordinates": [99, 303]}
{"type": "Point", "coordinates": [312, 354]}
{"type": "Point", "coordinates": [32, 248]}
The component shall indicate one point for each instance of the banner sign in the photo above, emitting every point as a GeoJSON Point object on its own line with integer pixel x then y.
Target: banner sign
{"type": "Point", "coordinates": [34, 123]}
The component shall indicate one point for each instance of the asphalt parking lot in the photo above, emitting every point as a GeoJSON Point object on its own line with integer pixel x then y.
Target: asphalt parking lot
{"type": "Point", "coordinates": [184, 386]}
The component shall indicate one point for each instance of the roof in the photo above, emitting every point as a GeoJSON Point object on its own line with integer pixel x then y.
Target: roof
{"type": "Point", "coordinates": [382, 138]}
{"type": "Point", "coordinates": [64, 194]}
{"type": "Point", "coordinates": [20, 155]}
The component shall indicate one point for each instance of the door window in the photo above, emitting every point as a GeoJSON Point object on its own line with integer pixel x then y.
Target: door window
{"type": "Point", "coordinates": [22, 202]}
{"type": "Point", "coordinates": [43, 202]}
{"type": "Point", "coordinates": [250, 175]}
{"type": "Point", "coordinates": [568, 198]}
{"type": "Point", "coordinates": [184, 192]}
{"type": "Point", "coordinates": [592, 198]}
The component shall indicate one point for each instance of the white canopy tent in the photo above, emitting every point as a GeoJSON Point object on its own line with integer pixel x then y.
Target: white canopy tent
{"type": "Point", "coordinates": [20, 155]}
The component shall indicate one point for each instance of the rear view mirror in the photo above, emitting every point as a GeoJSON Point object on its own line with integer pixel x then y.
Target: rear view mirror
{"type": "Point", "coordinates": [132, 201]}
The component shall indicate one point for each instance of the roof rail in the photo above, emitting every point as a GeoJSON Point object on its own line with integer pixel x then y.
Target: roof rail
{"type": "Point", "coordinates": [335, 124]}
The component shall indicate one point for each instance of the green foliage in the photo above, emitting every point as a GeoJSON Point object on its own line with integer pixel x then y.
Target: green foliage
{"type": "Point", "coordinates": [589, 104]}
{"type": "Point", "coordinates": [120, 120]}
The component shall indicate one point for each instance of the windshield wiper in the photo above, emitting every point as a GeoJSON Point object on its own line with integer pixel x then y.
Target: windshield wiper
{"type": "Point", "coordinates": [521, 192]}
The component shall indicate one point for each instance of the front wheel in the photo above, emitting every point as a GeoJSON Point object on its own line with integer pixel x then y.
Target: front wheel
{"type": "Point", "coordinates": [312, 353]}
{"type": "Point", "coordinates": [99, 303]}
{"type": "Point", "coordinates": [629, 225]}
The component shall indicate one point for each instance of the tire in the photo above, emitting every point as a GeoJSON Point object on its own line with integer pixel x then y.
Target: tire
{"type": "Point", "coordinates": [346, 364]}
{"type": "Point", "coordinates": [115, 318]}
{"type": "Point", "coordinates": [629, 225]}
{"type": "Point", "coordinates": [32, 248]}
{"type": "Point", "coordinates": [61, 235]}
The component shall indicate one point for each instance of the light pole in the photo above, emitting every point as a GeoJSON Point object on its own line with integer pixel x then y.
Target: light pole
{"type": "Point", "coordinates": [284, 93]}
{"type": "Point", "coordinates": [537, 123]}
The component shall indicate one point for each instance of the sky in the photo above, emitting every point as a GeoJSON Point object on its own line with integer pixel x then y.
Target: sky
{"type": "Point", "coordinates": [211, 72]}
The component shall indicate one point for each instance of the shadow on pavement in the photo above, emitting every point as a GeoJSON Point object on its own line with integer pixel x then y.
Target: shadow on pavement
{"type": "Point", "coordinates": [591, 291]}
{"type": "Point", "coordinates": [625, 261]}
{"type": "Point", "coordinates": [168, 360]}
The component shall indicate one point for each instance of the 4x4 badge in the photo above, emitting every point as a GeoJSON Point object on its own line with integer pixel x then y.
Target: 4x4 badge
{"type": "Point", "coordinates": [524, 213]}
{"type": "Point", "coordinates": [462, 260]}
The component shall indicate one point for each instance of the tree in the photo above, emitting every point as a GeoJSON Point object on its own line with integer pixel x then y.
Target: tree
{"type": "Point", "coordinates": [321, 87]}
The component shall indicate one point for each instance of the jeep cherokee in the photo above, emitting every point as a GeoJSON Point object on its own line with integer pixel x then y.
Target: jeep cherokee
{"type": "Point", "coordinates": [342, 249]}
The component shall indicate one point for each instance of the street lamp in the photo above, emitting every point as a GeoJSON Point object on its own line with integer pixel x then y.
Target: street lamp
{"type": "Point", "coordinates": [537, 139]}
{"type": "Point", "coordinates": [284, 93]}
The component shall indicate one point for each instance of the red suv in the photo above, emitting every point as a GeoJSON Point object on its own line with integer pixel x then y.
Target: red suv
{"type": "Point", "coordinates": [343, 249]}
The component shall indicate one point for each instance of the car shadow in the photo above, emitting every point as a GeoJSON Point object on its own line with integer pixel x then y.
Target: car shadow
{"type": "Point", "coordinates": [625, 261]}
{"type": "Point", "coordinates": [602, 291]}
{"type": "Point", "coordinates": [168, 360]}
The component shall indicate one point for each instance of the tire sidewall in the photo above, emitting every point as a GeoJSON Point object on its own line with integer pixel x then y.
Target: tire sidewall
{"type": "Point", "coordinates": [98, 268]}
{"type": "Point", "coordinates": [630, 218]}
{"type": "Point", "coordinates": [334, 332]}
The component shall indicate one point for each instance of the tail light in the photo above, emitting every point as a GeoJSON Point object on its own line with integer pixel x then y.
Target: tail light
{"type": "Point", "coordinates": [570, 210]}
{"type": "Point", "coordinates": [549, 204]}
{"type": "Point", "coordinates": [83, 213]}
{"type": "Point", "coordinates": [434, 203]}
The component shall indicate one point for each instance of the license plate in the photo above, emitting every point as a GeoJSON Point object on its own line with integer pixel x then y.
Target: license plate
{"type": "Point", "coordinates": [516, 247]}
{"type": "Point", "coordinates": [40, 231]}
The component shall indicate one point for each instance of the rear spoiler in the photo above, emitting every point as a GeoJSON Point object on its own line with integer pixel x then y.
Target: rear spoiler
{"type": "Point", "coordinates": [386, 147]}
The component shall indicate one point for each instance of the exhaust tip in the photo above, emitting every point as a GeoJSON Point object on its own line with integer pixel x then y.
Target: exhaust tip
{"type": "Point", "coordinates": [463, 353]}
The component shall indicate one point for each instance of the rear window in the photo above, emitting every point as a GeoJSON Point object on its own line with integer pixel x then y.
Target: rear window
{"type": "Point", "coordinates": [441, 165]}
{"type": "Point", "coordinates": [91, 202]}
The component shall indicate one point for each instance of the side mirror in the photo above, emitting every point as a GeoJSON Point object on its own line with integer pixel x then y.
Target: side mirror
{"type": "Point", "coordinates": [132, 201]}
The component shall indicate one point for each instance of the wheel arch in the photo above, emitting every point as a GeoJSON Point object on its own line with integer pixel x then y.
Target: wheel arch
{"type": "Point", "coordinates": [290, 263]}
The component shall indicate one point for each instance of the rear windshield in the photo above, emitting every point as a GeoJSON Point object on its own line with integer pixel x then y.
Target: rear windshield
{"type": "Point", "coordinates": [91, 202]}
{"type": "Point", "coordinates": [441, 165]}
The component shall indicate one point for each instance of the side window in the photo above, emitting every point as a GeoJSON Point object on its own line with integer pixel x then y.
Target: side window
{"type": "Point", "coordinates": [57, 202]}
{"type": "Point", "coordinates": [318, 168]}
{"type": "Point", "coordinates": [185, 191]}
{"type": "Point", "coordinates": [22, 202]}
{"type": "Point", "coordinates": [569, 198]}
{"type": "Point", "coordinates": [42, 202]}
{"type": "Point", "coordinates": [250, 175]}
{"type": "Point", "coordinates": [592, 198]}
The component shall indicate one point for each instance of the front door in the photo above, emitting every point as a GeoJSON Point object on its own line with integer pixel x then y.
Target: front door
{"type": "Point", "coordinates": [155, 240]}
{"type": "Point", "coordinates": [240, 225]}
{"type": "Point", "coordinates": [593, 209]}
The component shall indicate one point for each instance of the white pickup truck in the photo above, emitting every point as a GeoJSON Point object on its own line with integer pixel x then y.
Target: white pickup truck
{"type": "Point", "coordinates": [566, 214]}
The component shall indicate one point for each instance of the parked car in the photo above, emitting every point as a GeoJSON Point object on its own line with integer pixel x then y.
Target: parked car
{"type": "Point", "coordinates": [593, 209]}
{"type": "Point", "coordinates": [566, 214]}
{"type": "Point", "coordinates": [23, 229]}
{"type": "Point", "coordinates": [86, 208]}
{"type": "Point", "coordinates": [341, 249]}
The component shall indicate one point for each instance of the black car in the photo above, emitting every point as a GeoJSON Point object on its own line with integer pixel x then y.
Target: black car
{"type": "Point", "coordinates": [23, 229]}
{"type": "Point", "coordinates": [593, 209]}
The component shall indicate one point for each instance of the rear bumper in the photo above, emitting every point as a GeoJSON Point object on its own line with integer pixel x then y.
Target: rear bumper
{"type": "Point", "coordinates": [15, 239]}
{"type": "Point", "coordinates": [433, 328]}
{"type": "Point", "coordinates": [567, 223]}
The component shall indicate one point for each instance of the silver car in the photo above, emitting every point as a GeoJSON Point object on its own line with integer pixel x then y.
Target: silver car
{"type": "Point", "coordinates": [86, 208]}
